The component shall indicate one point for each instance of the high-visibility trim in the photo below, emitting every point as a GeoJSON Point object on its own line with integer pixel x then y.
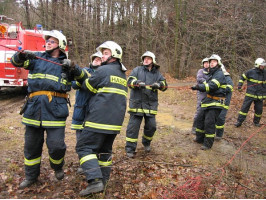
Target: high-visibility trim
{"type": "Point", "coordinates": [103, 126]}
{"type": "Point", "coordinates": [18, 64]}
{"type": "Point", "coordinates": [242, 113]}
{"type": "Point", "coordinates": [87, 158]}
{"type": "Point", "coordinates": [131, 139]}
{"type": "Point", "coordinates": [80, 76]}
{"type": "Point", "coordinates": [255, 96]}
{"type": "Point", "coordinates": [205, 105]}
{"type": "Point", "coordinates": [255, 81]}
{"type": "Point", "coordinates": [88, 74]}
{"type": "Point", "coordinates": [118, 80]}
{"type": "Point", "coordinates": [54, 123]}
{"type": "Point", "coordinates": [65, 82]}
{"type": "Point", "coordinates": [216, 82]}
{"type": "Point", "coordinates": [77, 126]}
{"type": "Point", "coordinates": [88, 85]}
{"type": "Point", "coordinates": [105, 163]}
{"type": "Point", "coordinates": [209, 135]}
{"type": "Point", "coordinates": [241, 81]}
{"type": "Point", "coordinates": [43, 76]}
{"type": "Point", "coordinates": [56, 162]}
{"type": "Point", "coordinates": [133, 77]}
{"type": "Point", "coordinates": [78, 84]}
{"type": "Point", "coordinates": [230, 87]}
{"type": "Point", "coordinates": [140, 110]}
{"type": "Point", "coordinates": [244, 76]}
{"type": "Point", "coordinates": [146, 137]}
{"type": "Point", "coordinates": [199, 130]}
{"type": "Point", "coordinates": [226, 107]}
{"type": "Point", "coordinates": [112, 90]}
{"type": "Point", "coordinates": [258, 115]}
{"type": "Point", "coordinates": [32, 162]}
{"type": "Point", "coordinates": [164, 84]}
{"type": "Point", "coordinates": [26, 64]}
{"type": "Point", "coordinates": [31, 121]}
{"type": "Point", "coordinates": [219, 127]}
{"type": "Point", "coordinates": [49, 94]}
{"type": "Point", "coordinates": [207, 87]}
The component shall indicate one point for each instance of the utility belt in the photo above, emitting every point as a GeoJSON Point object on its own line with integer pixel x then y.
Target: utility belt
{"type": "Point", "coordinates": [49, 94]}
{"type": "Point", "coordinates": [216, 98]}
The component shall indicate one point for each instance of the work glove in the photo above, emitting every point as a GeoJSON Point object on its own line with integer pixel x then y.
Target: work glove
{"type": "Point", "coordinates": [155, 86]}
{"type": "Point", "coordinates": [68, 69]}
{"type": "Point", "coordinates": [140, 84]}
{"type": "Point", "coordinates": [26, 55]}
{"type": "Point", "coordinates": [195, 87]}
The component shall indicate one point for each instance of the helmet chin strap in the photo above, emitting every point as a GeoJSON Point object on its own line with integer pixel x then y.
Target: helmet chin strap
{"type": "Point", "coordinates": [51, 50]}
{"type": "Point", "coordinates": [105, 62]}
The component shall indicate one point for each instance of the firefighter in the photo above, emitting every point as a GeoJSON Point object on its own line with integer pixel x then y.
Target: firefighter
{"type": "Point", "coordinates": [202, 76]}
{"type": "Point", "coordinates": [104, 117]}
{"type": "Point", "coordinates": [46, 108]}
{"type": "Point", "coordinates": [221, 118]}
{"type": "Point", "coordinates": [212, 105]}
{"type": "Point", "coordinates": [82, 98]}
{"type": "Point", "coordinates": [256, 92]}
{"type": "Point", "coordinates": [144, 82]}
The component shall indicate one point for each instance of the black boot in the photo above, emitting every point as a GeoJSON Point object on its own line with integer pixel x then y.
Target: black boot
{"type": "Point", "coordinates": [238, 124]}
{"type": "Point", "coordinates": [106, 171]}
{"type": "Point", "coordinates": [94, 186]}
{"type": "Point", "coordinates": [26, 183]}
{"type": "Point", "coordinates": [59, 174]}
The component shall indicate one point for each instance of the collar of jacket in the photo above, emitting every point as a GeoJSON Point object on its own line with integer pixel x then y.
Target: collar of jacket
{"type": "Point", "coordinates": [214, 69]}
{"type": "Point", "coordinates": [153, 69]}
{"type": "Point", "coordinates": [61, 55]}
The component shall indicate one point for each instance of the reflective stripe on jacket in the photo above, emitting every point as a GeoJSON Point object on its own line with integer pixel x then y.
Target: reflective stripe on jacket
{"type": "Point", "coordinates": [145, 100]}
{"type": "Point", "coordinates": [107, 106]}
{"type": "Point", "coordinates": [45, 76]}
{"type": "Point", "coordinates": [215, 86]}
{"type": "Point", "coordinates": [256, 83]}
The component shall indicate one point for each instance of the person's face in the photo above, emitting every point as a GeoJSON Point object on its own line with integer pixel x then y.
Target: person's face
{"type": "Point", "coordinates": [97, 61]}
{"type": "Point", "coordinates": [147, 60]}
{"type": "Point", "coordinates": [51, 43]}
{"type": "Point", "coordinates": [106, 54]}
{"type": "Point", "coordinates": [213, 63]}
{"type": "Point", "coordinates": [261, 67]}
{"type": "Point", "coordinates": [206, 64]}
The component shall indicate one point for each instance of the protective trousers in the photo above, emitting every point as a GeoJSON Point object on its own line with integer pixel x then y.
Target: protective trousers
{"type": "Point", "coordinates": [205, 130]}
{"type": "Point", "coordinates": [34, 139]}
{"type": "Point", "coordinates": [133, 131]}
{"type": "Point", "coordinates": [258, 108]}
{"type": "Point", "coordinates": [220, 123]}
{"type": "Point", "coordinates": [95, 154]}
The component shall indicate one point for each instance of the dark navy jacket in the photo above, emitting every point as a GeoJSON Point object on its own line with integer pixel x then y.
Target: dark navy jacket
{"type": "Point", "coordinates": [107, 106]}
{"type": "Point", "coordinates": [81, 102]}
{"type": "Point", "coordinates": [145, 101]}
{"type": "Point", "coordinates": [45, 76]}
{"type": "Point", "coordinates": [256, 83]}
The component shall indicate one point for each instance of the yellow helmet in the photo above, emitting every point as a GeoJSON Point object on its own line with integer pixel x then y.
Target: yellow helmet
{"type": "Point", "coordinates": [260, 62]}
{"type": "Point", "coordinates": [115, 49]}
{"type": "Point", "coordinates": [62, 41]}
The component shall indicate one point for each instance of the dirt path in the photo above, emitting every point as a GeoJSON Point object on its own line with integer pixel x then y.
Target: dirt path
{"type": "Point", "coordinates": [173, 162]}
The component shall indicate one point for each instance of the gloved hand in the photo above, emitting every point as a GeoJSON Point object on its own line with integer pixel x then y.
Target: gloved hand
{"type": "Point", "coordinates": [68, 69]}
{"type": "Point", "coordinates": [155, 86]}
{"type": "Point", "coordinates": [239, 89]}
{"type": "Point", "coordinates": [195, 87]}
{"type": "Point", "coordinates": [26, 55]}
{"type": "Point", "coordinates": [140, 84]}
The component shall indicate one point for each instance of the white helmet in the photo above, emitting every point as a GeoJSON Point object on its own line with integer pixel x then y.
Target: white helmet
{"type": "Point", "coordinates": [115, 49]}
{"type": "Point", "coordinates": [204, 60]}
{"type": "Point", "coordinates": [97, 54]}
{"type": "Point", "coordinates": [260, 62]}
{"type": "Point", "coordinates": [58, 35]}
{"type": "Point", "coordinates": [226, 73]}
{"type": "Point", "coordinates": [216, 57]}
{"type": "Point", "coordinates": [149, 54]}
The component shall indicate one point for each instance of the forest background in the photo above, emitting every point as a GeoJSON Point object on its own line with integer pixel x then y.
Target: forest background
{"type": "Point", "coordinates": [180, 32]}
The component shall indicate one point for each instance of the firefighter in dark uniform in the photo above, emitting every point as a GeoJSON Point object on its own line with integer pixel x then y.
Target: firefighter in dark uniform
{"type": "Point", "coordinates": [212, 105]}
{"type": "Point", "coordinates": [221, 119]}
{"type": "Point", "coordinates": [46, 108]}
{"type": "Point", "coordinates": [104, 117]}
{"type": "Point", "coordinates": [144, 82]}
{"type": "Point", "coordinates": [256, 92]}
{"type": "Point", "coordinates": [82, 98]}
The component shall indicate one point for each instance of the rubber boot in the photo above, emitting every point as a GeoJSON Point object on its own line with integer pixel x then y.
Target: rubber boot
{"type": "Point", "coordinates": [106, 171]}
{"type": "Point", "coordinates": [26, 183]}
{"type": "Point", "coordinates": [94, 186]}
{"type": "Point", "coordinates": [59, 174]}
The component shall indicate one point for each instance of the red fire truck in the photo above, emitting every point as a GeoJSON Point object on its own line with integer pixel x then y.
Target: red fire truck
{"type": "Point", "coordinates": [14, 37]}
